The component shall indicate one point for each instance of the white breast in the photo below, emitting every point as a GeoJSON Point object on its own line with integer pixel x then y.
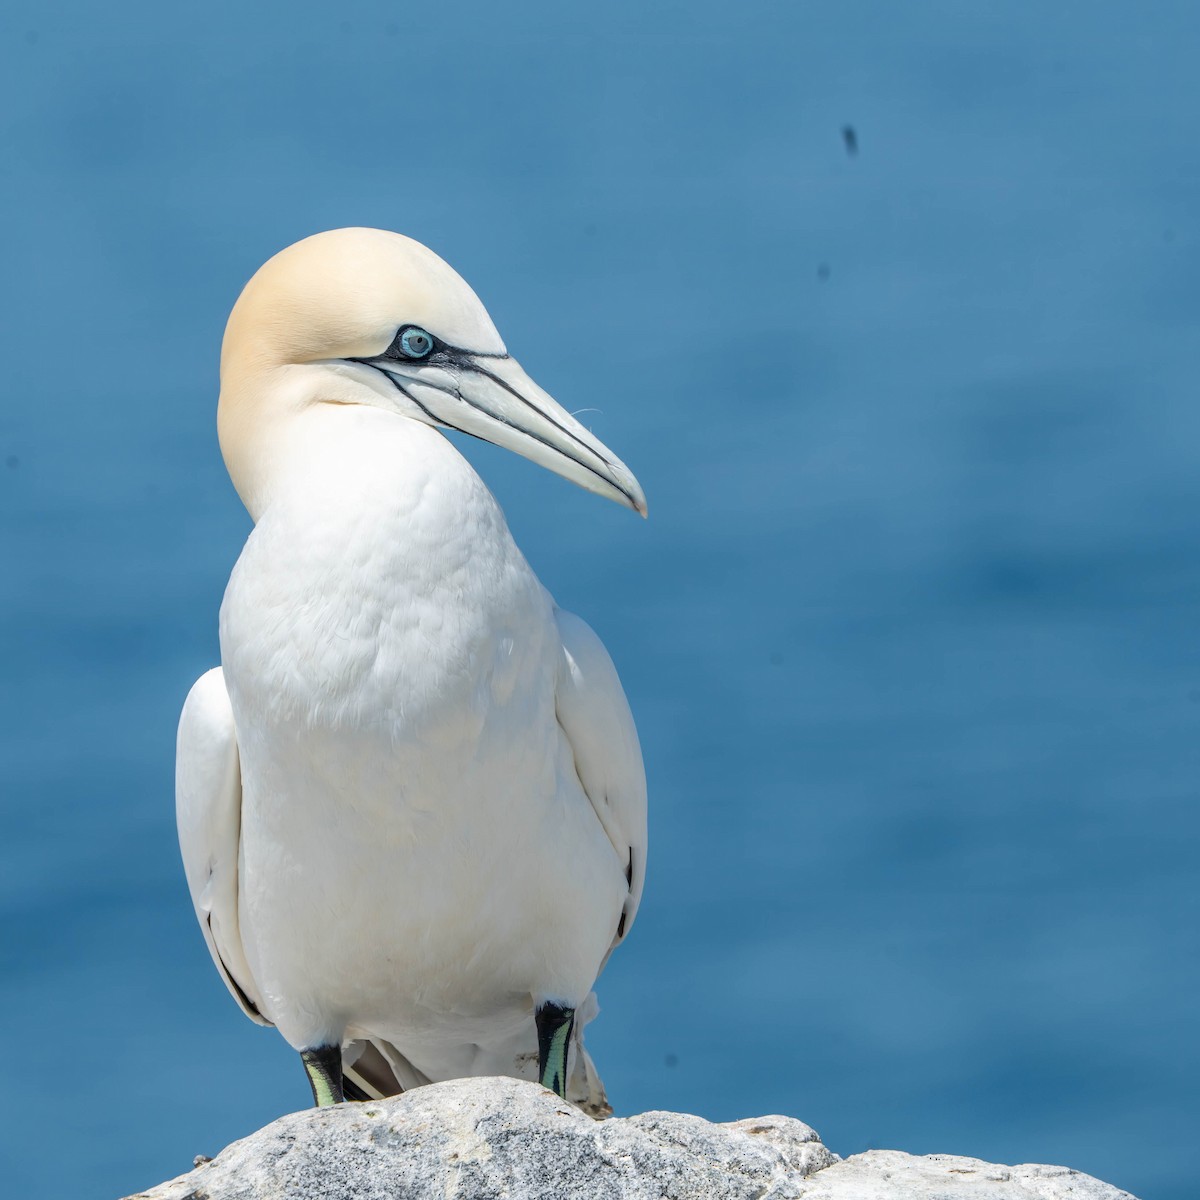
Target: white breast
{"type": "Point", "coordinates": [418, 856]}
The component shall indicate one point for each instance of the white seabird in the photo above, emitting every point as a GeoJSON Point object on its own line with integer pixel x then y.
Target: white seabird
{"type": "Point", "coordinates": [411, 801]}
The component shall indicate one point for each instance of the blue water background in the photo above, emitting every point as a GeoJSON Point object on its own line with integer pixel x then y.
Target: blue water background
{"type": "Point", "coordinates": [911, 631]}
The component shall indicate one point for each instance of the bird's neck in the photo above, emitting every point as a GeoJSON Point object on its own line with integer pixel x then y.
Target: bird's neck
{"type": "Point", "coordinates": [255, 419]}
{"type": "Point", "coordinates": [356, 462]}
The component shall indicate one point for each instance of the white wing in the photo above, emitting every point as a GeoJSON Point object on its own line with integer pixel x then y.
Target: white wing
{"type": "Point", "coordinates": [595, 716]}
{"type": "Point", "coordinates": [208, 810]}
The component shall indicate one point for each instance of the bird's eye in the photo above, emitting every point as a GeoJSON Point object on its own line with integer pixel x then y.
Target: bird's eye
{"type": "Point", "coordinates": [416, 343]}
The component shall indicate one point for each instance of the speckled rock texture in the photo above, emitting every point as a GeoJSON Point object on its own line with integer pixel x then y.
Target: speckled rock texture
{"type": "Point", "coordinates": [478, 1139]}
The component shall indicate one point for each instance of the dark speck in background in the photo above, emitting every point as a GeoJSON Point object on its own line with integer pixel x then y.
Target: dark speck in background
{"type": "Point", "coordinates": [776, 659]}
{"type": "Point", "coordinates": [823, 272]}
{"type": "Point", "coordinates": [850, 138]}
{"type": "Point", "coordinates": [671, 1060]}
{"type": "Point", "coordinates": [12, 461]}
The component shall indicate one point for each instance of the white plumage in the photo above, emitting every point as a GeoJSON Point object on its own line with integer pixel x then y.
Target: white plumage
{"type": "Point", "coordinates": [411, 801]}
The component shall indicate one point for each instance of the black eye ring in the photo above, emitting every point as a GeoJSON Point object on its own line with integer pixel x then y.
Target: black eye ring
{"type": "Point", "coordinates": [415, 342]}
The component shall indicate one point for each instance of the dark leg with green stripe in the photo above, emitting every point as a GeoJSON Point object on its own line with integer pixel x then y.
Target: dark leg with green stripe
{"type": "Point", "coordinates": [554, 1025]}
{"type": "Point", "coordinates": [324, 1068]}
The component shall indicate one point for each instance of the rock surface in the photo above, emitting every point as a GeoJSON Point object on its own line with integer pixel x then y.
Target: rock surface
{"type": "Point", "coordinates": [475, 1139]}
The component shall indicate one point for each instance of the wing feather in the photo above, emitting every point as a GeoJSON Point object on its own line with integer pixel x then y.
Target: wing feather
{"type": "Point", "coordinates": [208, 811]}
{"type": "Point", "coordinates": [594, 715]}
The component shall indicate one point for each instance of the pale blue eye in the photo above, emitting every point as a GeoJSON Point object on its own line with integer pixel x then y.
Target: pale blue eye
{"type": "Point", "coordinates": [416, 343]}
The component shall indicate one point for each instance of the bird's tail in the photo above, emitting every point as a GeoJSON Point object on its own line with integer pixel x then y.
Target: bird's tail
{"type": "Point", "coordinates": [584, 1087]}
{"type": "Point", "coordinates": [375, 1068]}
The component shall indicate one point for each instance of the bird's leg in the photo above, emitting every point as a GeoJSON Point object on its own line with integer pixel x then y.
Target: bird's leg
{"type": "Point", "coordinates": [324, 1069]}
{"type": "Point", "coordinates": [554, 1025]}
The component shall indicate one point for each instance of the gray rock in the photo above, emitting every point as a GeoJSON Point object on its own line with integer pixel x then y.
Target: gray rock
{"type": "Point", "coordinates": [472, 1139]}
{"type": "Point", "coordinates": [891, 1174]}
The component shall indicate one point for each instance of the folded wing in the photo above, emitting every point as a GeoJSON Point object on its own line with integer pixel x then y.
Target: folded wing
{"type": "Point", "coordinates": [208, 810]}
{"type": "Point", "coordinates": [594, 715]}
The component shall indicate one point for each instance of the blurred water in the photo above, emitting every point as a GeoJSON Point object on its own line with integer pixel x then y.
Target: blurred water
{"type": "Point", "coordinates": [909, 634]}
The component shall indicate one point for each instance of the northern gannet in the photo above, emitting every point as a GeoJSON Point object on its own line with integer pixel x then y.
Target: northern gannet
{"type": "Point", "coordinates": [411, 801]}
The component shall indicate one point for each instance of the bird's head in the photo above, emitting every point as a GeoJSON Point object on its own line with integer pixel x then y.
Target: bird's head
{"type": "Point", "coordinates": [366, 317]}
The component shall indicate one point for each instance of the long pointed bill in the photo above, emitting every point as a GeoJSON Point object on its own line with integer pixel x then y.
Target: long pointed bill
{"type": "Point", "coordinates": [491, 397]}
